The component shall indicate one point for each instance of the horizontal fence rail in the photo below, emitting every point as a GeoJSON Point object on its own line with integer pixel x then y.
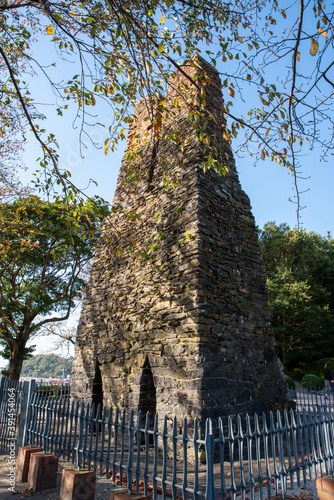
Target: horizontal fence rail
{"type": "Point", "coordinates": [257, 456]}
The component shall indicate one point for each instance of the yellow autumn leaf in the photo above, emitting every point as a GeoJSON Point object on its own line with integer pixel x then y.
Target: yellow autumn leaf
{"type": "Point", "coordinates": [226, 135]}
{"type": "Point", "coordinates": [231, 92]}
{"type": "Point", "coordinates": [314, 47]}
{"type": "Point", "coordinates": [49, 30]}
{"type": "Point", "coordinates": [148, 66]}
{"type": "Point", "coordinates": [264, 102]}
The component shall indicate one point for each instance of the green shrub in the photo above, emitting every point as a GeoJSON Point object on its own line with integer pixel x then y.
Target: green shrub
{"type": "Point", "coordinates": [310, 381]}
{"type": "Point", "coordinates": [297, 374]}
{"type": "Point", "coordinates": [290, 382]}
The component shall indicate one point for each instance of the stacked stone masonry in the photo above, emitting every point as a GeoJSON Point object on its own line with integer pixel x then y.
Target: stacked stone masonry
{"type": "Point", "coordinates": [175, 317]}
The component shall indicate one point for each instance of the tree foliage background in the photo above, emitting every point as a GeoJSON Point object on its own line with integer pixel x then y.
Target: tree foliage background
{"type": "Point", "coordinates": [47, 365]}
{"type": "Point", "coordinates": [45, 249]}
{"type": "Point", "coordinates": [300, 277]}
{"type": "Point", "coordinates": [275, 56]}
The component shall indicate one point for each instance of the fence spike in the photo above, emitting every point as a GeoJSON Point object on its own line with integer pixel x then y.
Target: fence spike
{"type": "Point", "coordinates": [174, 447]}
{"type": "Point", "coordinates": [155, 456]}
{"type": "Point", "coordinates": [103, 432]}
{"type": "Point", "coordinates": [209, 451]}
{"type": "Point", "coordinates": [138, 440]}
{"type": "Point", "coordinates": [146, 433]}
{"type": "Point", "coordinates": [121, 457]}
{"type": "Point", "coordinates": [185, 459]}
{"type": "Point", "coordinates": [129, 467]}
{"type": "Point", "coordinates": [110, 435]}
{"type": "Point", "coordinates": [196, 446]}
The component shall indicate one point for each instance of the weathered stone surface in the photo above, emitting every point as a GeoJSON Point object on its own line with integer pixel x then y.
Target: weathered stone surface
{"type": "Point", "coordinates": [176, 317]}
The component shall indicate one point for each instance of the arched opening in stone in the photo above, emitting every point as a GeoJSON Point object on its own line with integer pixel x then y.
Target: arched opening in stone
{"type": "Point", "coordinates": [147, 394]}
{"type": "Point", "coordinates": [97, 389]}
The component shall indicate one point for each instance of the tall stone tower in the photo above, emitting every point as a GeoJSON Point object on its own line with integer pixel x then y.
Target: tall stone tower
{"type": "Point", "coordinates": [175, 317]}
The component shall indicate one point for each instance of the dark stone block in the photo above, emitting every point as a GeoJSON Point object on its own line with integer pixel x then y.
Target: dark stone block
{"type": "Point", "coordinates": [214, 383]}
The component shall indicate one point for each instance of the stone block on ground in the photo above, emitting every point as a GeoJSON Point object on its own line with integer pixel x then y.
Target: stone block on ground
{"type": "Point", "coordinates": [77, 484]}
{"type": "Point", "coordinates": [125, 495]}
{"type": "Point", "coordinates": [325, 488]}
{"type": "Point", "coordinates": [43, 470]}
{"type": "Point", "coordinates": [23, 460]}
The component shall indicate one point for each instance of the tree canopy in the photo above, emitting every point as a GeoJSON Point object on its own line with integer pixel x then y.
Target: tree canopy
{"type": "Point", "coordinates": [275, 56]}
{"type": "Point", "coordinates": [300, 279]}
{"type": "Point", "coordinates": [44, 249]}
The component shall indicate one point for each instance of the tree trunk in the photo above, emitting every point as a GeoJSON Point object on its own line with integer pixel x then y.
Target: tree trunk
{"type": "Point", "coordinates": [15, 362]}
{"type": "Point", "coordinates": [284, 354]}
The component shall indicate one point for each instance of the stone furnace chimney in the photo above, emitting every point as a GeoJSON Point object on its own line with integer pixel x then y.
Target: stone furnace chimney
{"type": "Point", "coordinates": [175, 318]}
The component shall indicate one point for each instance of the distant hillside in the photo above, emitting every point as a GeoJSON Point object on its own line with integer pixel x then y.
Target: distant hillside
{"type": "Point", "coordinates": [47, 365]}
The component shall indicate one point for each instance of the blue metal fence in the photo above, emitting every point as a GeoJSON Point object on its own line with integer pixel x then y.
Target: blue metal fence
{"type": "Point", "coordinates": [242, 455]}
{"type": "Point", "coordinates": [255, 455]}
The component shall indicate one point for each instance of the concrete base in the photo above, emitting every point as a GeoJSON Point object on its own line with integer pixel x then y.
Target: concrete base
{"type": "Point", "coordinates": [77, 485]}
{"type": "Point", "coordinates": [43, 470]}
{"type": "Point", "coordinates": [325, 488]}
{"type": "Point", "coordinates": [23, 461]}
{"type": "Point", "coordinates": [125, 495]}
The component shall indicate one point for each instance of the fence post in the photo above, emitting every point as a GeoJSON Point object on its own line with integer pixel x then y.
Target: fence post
{"type": "Point", "coordinates": [209, 451]}
{"type": "Point", "coordinates": [28, 390]}
{"type": "Point", "coordinates": [2, 382]}
{"type": "Point", "coordinates": [23, 414]}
